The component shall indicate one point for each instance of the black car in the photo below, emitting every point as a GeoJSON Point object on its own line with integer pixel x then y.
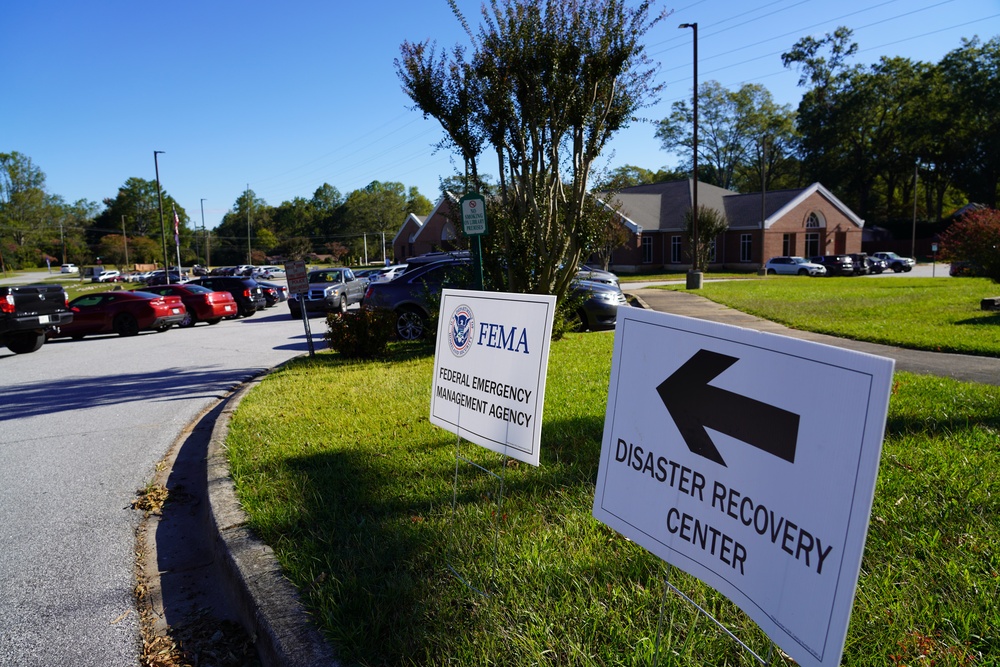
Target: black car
{"type": "Point", "coordinates": [412, 295]}
{"type": "Point", "coordinates": [248, 294]}
{"type": "Point", "coordinates": [274, 293]}
{"type": "Point", "coordinates": [836, 265]}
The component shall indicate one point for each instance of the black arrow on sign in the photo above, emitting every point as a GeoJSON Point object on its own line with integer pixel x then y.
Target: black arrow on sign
{"type": "Point", "coordinates": [695, 405]}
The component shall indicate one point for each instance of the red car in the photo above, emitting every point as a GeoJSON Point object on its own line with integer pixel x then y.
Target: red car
{"type": "Point", "coordinates": [121, 312]}
{"type": "Point", "coordinates": [201, 303]}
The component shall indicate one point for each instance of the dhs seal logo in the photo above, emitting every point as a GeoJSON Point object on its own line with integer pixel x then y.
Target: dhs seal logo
{"type": "Point", "coordinates": [460, 330]}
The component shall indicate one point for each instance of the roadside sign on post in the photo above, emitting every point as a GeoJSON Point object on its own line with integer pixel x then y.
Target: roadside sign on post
{"type": "Point", "coordinates": [295, 274]}
{"type": "Point", "coordinates": [748, 460]}
{"type": "Point", "coordinates": [473, 214]}
{"type": "Point", "coordinates": [298, 286]}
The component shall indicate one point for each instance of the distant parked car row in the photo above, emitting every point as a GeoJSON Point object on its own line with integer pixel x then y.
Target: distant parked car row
{"type": "Point", "coordinates": [410, 295]}
{"type": "Point", "coordinates": [854, 264]}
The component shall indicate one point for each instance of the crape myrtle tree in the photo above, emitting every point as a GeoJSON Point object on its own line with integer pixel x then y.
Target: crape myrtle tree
{"type": "Point", "coordinates": [545, 86]}
{"type": "Point", "coordinates": [711, 223]}
{"type": "Point", "coordinates": [975, 238]}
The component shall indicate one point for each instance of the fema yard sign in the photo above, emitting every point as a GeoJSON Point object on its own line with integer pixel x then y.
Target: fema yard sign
{"type": "Point", "coordinates": [489, 369]}
{"type": "Point", "coordinates": [473, 214]}
{"type": "Point", "coordinates": [748, 460]}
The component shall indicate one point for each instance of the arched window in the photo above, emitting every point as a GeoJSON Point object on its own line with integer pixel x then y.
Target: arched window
{"type": "Point", "coordinates": [815, 221]}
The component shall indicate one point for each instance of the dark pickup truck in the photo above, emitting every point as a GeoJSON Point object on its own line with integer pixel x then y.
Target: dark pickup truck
{"type": "Point", "coordinates": [27, 312]}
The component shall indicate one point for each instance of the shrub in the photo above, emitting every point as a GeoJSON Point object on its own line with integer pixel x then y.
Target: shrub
{"type": "Point", "coordinates": [361, 334]}
{"type": "Point", "coordinates": [975, 238]}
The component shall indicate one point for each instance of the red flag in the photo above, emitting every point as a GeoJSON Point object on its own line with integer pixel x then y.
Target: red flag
{"type": "Point", "coordinates": [177, 232]}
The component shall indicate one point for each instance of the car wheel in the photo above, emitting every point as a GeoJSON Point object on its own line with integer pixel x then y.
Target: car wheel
{"type": "Point", "coordinates": [579, 321]}
{"type": "Point", "coordinates": [409, 324]}
{"type": "Point", "coordinates": [126, 325]}
{"type": "Point", "coordinates": [897, 268]}
{"type": "Point", "coordinates": [343, 304]}
{"type": "Point", "coordinates": [188, 321]}
{"type": "Point", "coordinates": [771, 272]}
{"type": "Point", "coordinates": [803, 272]}
{"type": "Point", "coordinates": [26, 342]}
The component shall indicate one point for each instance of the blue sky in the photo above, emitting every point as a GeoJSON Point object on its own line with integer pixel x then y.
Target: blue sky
{"type": "Point", "coordinates": [286, 96]}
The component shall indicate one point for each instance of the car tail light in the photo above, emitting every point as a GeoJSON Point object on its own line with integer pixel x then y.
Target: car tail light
{"type": "Point", "coordinates": [246, 293]}
{"type": "Point", "coordinates": [7, 305]}
{"type": "Point", "coordinates": [368, 292]}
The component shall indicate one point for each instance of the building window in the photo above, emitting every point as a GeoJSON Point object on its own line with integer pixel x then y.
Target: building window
{"type": "Point", "coordinates": [647, 249]}
{"type": "Point", "coordinates": [815, 221]}
{"type": "Point", "coordinates": [812, 244]}
{"type": "Point", "coordinates": [675, 250]}
{"type": "Point", "coordinates": [786, 244]}
{"type": "Point", "coordinates": [746, 247]}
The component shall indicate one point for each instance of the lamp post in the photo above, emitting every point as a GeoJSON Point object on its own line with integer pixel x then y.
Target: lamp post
{"type": "Point", "coordinates": [913, 241]}
{"type": "Point", "coordinates": [204, 233]}
{"type": "Point", "coordinates": [694, 277]}
{"type": "Point", "coordinates": [159, 200]}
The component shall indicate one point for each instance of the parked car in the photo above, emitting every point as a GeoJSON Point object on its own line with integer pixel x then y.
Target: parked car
{"type": "Point", "coordinates": [199, 270]}
{"type": "Point", "coordinates": [411, 296]}
{"type": "Point", "coordinates": [836, 265]}
{"type": "Point", "coordinates": [795, 266]}
{"type": "Point", "coordinates": [246, 292]}
{"type": "Point", "coordinates": [28, 312]}
{"type": "Point", "coordinates": [269, 271]}
{"type": "Point", "coordinates": [274, 293]}
{"type": "Point", "coordinates": [107, 276]}
{"type": "Point", "coordinates": [895, 262]}
{"type": "Point", "coordinates": [388, 273]}
{"type": "Point", "coordinates": [69, 268]}
{"type": "Point", "coordinates": [201, 303]}
{"type": "Point", "coordinates": [596, 275]}
{"type": "Point", "coordinates": [161, 278]}
{"type": "Point", "coordinates": [330, 290]}
{"type": "Point", "coordinates": [876, 265]}
{"type": "Point", "coordinates": [860, 260]}
{"type": "Point", "coordinates": [121, 312]}
{"type": "Point", "coordinates": [960, 269]}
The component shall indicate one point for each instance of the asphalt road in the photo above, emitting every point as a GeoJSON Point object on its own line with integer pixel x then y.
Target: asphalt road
{"type": "Point", "coordinates": [82, 427]}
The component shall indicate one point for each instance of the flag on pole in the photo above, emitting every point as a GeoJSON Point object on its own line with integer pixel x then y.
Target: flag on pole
{"type": "Point", "coordinates": [177, 231]}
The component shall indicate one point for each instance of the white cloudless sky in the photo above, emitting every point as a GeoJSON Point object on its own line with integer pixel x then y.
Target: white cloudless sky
{"type": "Point", "coordinates": [286, 96]}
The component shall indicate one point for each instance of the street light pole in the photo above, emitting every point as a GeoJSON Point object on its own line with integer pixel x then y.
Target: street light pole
{"type": "Point", "coordinates": [159, 200]}
{"type": "Point", "coordinates": [204, 233]}
{"type": "Point", "coordinates": [913, 242]}
{"type": "Point", "coordinates": [694, 280]}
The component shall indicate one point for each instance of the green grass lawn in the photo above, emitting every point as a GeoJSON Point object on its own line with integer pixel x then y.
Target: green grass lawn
{"type": "Point", "coordinates": [937, 314]}
{"type": "Point", "coordinates": [342, 473]}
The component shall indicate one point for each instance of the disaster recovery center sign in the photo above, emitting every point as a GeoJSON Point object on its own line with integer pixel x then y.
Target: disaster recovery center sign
{"type": "Point", "coordinates": [489, 369]}
{"type": "Point", "coordinates": [748, 460]}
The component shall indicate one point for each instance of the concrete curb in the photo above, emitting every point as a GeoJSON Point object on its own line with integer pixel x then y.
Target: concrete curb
{"type": "Point", "coordinates": [266, 603]}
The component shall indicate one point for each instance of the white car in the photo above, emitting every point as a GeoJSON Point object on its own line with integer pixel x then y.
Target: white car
{"type": "Point", "coordinates": [107, 276]}
{"type": "Point", "coordinates": [795, 266]}
{"type": "Point", "coordinates": [387, 274]}
{"type": "Point", "coordinates": [69, 268]}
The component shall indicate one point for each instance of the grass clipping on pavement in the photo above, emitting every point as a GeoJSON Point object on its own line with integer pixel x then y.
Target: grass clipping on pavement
{"type": "Point", "coordinates": [342, 473]}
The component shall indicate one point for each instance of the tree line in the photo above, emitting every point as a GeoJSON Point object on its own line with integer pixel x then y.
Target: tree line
{"type": "Point", "coordinates": [870, 133]}
{"type": "Point", "coordinates": [38, 227]}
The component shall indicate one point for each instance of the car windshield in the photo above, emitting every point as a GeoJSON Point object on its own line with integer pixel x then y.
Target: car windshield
{"type": "Point", "coordinates": [799, 260]}
{"type": "Point", "coordinates": [325, 277]}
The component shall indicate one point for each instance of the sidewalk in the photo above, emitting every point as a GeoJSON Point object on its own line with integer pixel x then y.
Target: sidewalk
{"type": "Point", "coordinates": [985, 370]}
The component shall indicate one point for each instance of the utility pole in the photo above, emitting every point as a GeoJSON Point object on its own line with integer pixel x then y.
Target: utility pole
{"type": "Point", "coordinates": [694, 276]}
{"type": "Point", "coordinates": [913, 242]}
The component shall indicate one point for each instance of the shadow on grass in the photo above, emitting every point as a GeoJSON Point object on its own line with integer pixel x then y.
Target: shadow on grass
{"type": "Point", "coordinates": [373, 533]}
{"type": "Point", "coordinates": [993, 319]}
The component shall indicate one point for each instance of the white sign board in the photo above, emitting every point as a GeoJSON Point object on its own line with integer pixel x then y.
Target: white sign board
{"type": "Point", "coordinates": [748, 460]}
{"type": "Point", "coordinates": [489, 369]}
{"type": "Point", "coordinates": [295, 274]}
{"type": "Point", "coordinates": [473, 214]}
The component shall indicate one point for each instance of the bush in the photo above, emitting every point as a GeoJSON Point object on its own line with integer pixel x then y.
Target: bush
{"type": "Point", "coordinates": [975, 238]}
{"type": "Point", "coordinates": [361, 334]}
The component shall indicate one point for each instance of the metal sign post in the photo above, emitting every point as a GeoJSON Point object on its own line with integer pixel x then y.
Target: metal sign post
{"type": "Point", "coordinates": [473, 207]}
{"type": "Point", "coordinates": [298, 285]}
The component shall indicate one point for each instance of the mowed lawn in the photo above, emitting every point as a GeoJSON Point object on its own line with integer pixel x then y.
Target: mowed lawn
{"type": "Point", "coordinates": [342, 473]}
{"type": "Point", "coordinates": [937, 314]}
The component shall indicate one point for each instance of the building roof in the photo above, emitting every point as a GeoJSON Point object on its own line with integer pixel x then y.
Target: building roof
{"type": "Point", "coordinates": [661, 206]}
